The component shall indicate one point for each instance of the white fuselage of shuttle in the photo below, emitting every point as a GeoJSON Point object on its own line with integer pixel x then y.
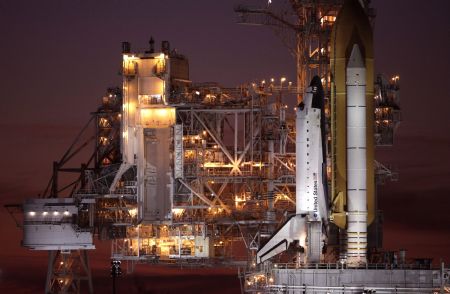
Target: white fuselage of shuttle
{"type": "Point", "coordinates": [305, 226]}
{"type": "Point", "coordinates": [310, 198]}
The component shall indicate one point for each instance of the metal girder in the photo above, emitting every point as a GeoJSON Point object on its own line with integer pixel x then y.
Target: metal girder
{"type": "Point", "coordinates": [283, 163]}
{"type": "Point", "coordinates": [66, 270]}
{"type": "Point", "coordinates": [200, 196]}
{"type": "Point", "coordinates": [215, 138]}
{"type": "Point", "coordinates": [216, 198]}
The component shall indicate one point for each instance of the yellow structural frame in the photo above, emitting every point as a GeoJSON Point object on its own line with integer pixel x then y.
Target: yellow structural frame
{"type": "Point", "coordinates": [352, 26]}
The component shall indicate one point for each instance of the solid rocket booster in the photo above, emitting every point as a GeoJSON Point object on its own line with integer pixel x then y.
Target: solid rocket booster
{"type": "Point", "coordinates": [306, 225]}
{"type": "Point", "coordinates": [356, 159]}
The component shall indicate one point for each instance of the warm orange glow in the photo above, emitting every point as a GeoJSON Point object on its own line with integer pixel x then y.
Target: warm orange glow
{"type": "Point", "coordinates": [327, 19]}
{"type": "Point", "coordinates": [239, 200]}
{"type": "Point", "coordinates": [157, 117]}
{"type": "Point", "coordinates": [103, 140]}
{"type": "Point", "coordinates": [177, 211]}
{"type": "Point", "coordinates": [132, 212]}
{"type": "Point", "coordinates": [103, 122]}
{"type": "Point", "coordinates": [217, 164]}
{"type": "Point", "coordinates": [129, 65]}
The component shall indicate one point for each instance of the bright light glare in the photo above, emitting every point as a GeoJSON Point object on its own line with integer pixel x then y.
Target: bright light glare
{"type": "Point", "coordinates": [177, 211]}
{"type": "Point", "coordinates": [133, 212]}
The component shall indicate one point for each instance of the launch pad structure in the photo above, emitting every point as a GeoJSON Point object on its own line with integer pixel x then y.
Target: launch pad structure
{"type": "Point", "coordinates": [196, 174]}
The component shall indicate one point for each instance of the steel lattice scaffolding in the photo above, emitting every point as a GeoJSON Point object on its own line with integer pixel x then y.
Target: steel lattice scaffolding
{"type": "Point", "coordinates": [198, 173]}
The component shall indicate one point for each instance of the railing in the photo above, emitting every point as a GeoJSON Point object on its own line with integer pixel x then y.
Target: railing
{"type": "Point", "coordinates": [370, 266]}
{"type": "Point", "coordinates": [262, 280]}
{"type": "Point", "coordinates": [348, 289]}
{"type": "Point", "coordinates": [125, 191]}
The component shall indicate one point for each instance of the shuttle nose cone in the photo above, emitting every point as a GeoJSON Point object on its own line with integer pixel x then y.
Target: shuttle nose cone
{"type": "Point", "coordinates": [315, 82]}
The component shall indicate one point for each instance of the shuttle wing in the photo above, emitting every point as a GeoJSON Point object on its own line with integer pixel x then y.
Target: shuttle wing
{"type": "Point", "coordinates": [293, 229]}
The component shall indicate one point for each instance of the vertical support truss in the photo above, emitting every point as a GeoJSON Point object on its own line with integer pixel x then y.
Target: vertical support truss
{"type": "Point", "coordinates": [67, 272]}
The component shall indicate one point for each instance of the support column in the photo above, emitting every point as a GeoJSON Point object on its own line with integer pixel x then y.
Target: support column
{"type": "Point", "coordinates": [51, 263]}
{"type": "Point", "coordinates": [270, 214]}
{"type": "Point", "coordinates": [66, 271]}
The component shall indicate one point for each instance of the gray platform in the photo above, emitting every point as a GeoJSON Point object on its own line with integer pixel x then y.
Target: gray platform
{"type": "Point", "coordinates": [281, 279]}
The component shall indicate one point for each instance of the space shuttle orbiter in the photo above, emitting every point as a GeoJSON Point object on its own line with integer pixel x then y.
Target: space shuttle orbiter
{"type": "Point", "coordinates": [305, 227]}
